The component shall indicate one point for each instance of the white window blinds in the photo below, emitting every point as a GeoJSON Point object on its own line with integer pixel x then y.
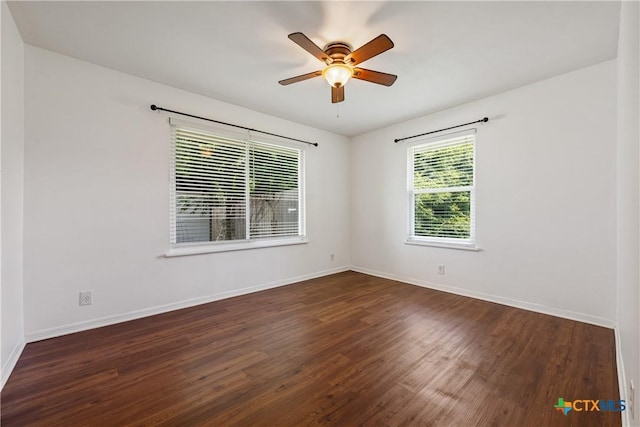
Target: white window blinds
{"type": "Point", "coordinates": [229, 190]}
{"type": "Point", "coordinates": [442, 192]}
{"type": "Point", "coordinates": [274, 191]}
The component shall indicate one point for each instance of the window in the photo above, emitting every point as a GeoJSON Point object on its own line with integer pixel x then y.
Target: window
{"type": "Point", "coordinates": [232, 194]}
{"type": "Point", "coordinates": [442, 192]}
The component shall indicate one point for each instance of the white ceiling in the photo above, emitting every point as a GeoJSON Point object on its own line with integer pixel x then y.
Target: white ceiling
{"type": "Point", "coordinates": [445, 53]}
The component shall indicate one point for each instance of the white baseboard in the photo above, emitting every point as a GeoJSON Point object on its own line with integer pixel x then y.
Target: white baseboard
{"type": "Point", "coordinates": [137, 314]}
{"type": "Point", "coordinates": [622, 379]}
{"type": "Point", "coordinates": [11, 362]}
{"type": "Point", "coordinates": [538, 308]}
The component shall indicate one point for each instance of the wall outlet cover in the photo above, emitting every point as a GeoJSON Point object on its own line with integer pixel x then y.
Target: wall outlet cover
{"type": "Point", "coordinates": [86, 298]}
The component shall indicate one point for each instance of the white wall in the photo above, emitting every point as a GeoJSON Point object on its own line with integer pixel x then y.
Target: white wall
{"type": "Point", "coordinates": [545, 199]}
{"type": "Point", "coordinates": [97, 200]}
{"type": "Point", "coordinates": [12, 190]}
{"type": "Point", "coordinates": [628, 212]}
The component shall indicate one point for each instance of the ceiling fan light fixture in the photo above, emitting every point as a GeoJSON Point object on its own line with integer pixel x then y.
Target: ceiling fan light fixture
{"type": "Point", "coordinates": [337, 75]}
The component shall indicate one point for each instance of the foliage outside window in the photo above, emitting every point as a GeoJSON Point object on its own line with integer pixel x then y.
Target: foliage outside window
{"type": "Point", "coordinates": [442, 191]}
{"type": "Point", "coordinates": [227, 190]}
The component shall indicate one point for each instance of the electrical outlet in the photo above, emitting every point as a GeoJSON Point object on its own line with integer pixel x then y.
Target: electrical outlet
{"type": "Point", "coordinates": [86, 298]}
{"type": "Point", "coordinates": [441, 269]}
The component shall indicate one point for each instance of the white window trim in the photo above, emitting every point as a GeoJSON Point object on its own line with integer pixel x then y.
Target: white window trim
{"type": "Point", "coordinates": [232, 245]}
{"type": "Point", "coordinates": [197, 248]}
{"type": "Point", "coordinates": [440, 141]}
{"type": "Point", "coordinates": [452, 245]}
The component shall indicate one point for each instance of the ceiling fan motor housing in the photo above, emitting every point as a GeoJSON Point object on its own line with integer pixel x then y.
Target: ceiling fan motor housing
{"type": "Point", "coordinates": [337, 51]}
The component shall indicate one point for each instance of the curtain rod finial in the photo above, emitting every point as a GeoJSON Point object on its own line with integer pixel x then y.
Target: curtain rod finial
{"type": "Point", "coordinates": [485, 120]}
{"type": "Point", "coordinates": [153, 107]}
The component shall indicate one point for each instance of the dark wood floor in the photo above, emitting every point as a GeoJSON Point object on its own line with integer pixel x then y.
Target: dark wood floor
{"type": "Point", "coordinates": [343, 350]}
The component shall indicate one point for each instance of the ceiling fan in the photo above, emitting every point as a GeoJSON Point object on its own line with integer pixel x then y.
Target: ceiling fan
{"type": "Point", "coordinates": [341, 63]}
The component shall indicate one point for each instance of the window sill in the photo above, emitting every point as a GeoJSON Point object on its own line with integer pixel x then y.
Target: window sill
{"type": "Point", "coordinates": [445, 245]}
{"type": "Point", "coordinates": [197, 249]}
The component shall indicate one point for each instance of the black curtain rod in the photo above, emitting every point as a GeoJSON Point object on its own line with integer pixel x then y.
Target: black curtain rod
{"type": "Point", "coordinates": [155, 107]}
{"type": "Point", "coordinates": [483, 120]}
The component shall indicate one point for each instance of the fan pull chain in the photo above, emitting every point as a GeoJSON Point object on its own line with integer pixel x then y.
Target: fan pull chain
{"type": "Point", "coordinates": [337, 110]}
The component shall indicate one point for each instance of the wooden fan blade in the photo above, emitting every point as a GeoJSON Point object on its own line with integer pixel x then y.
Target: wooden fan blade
{"type": "Point", "coordinates": [305, 43]}
{"type": "Point", "coordinates": [375, 47]}
{"type": "Point", "coordinates": [337, 94]}
{"type": "Point", "coordinates": [297, 79]}
{"type": "Point", "coordinates": [374, 76]}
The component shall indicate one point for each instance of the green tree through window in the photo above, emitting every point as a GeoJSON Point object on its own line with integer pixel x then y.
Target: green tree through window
{"type": "Point", "coordinates": [442, 189]}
